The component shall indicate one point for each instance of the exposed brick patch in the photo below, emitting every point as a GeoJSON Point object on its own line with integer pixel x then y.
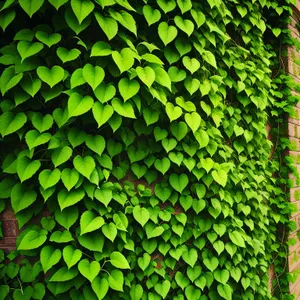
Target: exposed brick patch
{"type": "Point", "coordinates": [10, 230]}
{"type": "Point", "coordinates": [293, 68]}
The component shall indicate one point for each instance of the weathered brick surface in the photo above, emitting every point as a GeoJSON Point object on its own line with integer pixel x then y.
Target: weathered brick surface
{"type": "Point", "coordinates": [293, 68]}
{"type": "Point", "coordinates": [10, 230]}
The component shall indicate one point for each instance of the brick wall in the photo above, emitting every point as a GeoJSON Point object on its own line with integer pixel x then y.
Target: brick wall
{"type": "Point", "coordinates": [293, 68]}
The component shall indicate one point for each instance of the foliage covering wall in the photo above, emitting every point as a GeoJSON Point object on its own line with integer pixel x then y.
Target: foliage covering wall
{"type": "Point", "coordinates": [139, 129]}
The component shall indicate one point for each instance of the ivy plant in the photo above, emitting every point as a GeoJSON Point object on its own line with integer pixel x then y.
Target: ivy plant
{"type": "Point", "coordinates": [134, 149]}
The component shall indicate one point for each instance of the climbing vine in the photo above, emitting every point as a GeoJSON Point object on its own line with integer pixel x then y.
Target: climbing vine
{"type": "Point", "coordinates": [134, 148]}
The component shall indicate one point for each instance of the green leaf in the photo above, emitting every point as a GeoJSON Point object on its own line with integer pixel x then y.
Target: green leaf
{"type": "Point", "coordinates": [51, 76]}
{"type": "Point", "coordinates": [66, 55]}
{"type": "Point", "coordinates": [102, 113]}
{"type": "Point", "coordinates": [151, 15]}
{"type": "Point", "coordinates": [211, 263]}
{"type": "Point", "coordinates": [9, 79]}
{"type": "Point", "coordinates": [89, 270]}
{"type": "Point", "coordinates": [73, 23]}
{"type": "Point", "coordinates": [146, 75]}
{"type": "Point", "coordinates": [192, 64]}
{"type": "Point", "coordinates": [173, 112]}
{"type": "Point", "coordinates": [110, 231]}
{"type": "Point", "coordinates": [31, 6]}
{"type": "Point", "coordinates": [210, 58]}
{"type": "Point", "coordinates": [179, 130]}
{"type": "Point", "coordinates": [184, 5]}
{"type": "Point", "coordinates": [108, 25]}
{"type": "Point", "coordinates": [198, 16]}
{"type": "Point", "coordinates": [66, 199]}
{"type": "Point", "coordinates": [163, 288]}
{"type": "Point", "coordinates": [27, 168]}
{"type": "Point", "coordinates": [101, 49]}
{"type": "Point", "coordinates": [190, 257]}
{"type": "Point", "coordinates": [48, 39]}
{"type": "Point", "coordinates": [118, 260]}
{"type": "Point", "coordinates": [27, 49]}
{"type": "Point", "coordinates": [82, 8]}
{"type": "Point", "coordinates": [71, 256]}
{"type": "Point", "coordinates": [77, 78]}
{"type": "Point", "coordinates": [125, 19]}
{"type": "Point", "coordinates": [185, 25]}
{"type": "Point", "coordinates": [10, 123]}
{"type": "Point", "coordinates": [105, 92]}
{"type": "Point", "coordinates": [33, 239]}
{"type": "Point", "coordinates": [225, 291]}
{"type": "Point", "coordinates": [58, 3]}
{"type": "Point", "coordinates": [39, 291]}
{"type": "Point", "coordinates": [93, 241]}
{"type": "Point", "coordinates": [49, 257]}
{"type": "Point", "coordinates": [100, 287]}
{"type": "Point", "coordinates": [178, 182]}
{"type": "Point", "coordinates": [21, 198]}
{"type": "Point", "coordinates": [61, 237]}
{"type": "Point", "coordinates": [61, 155]}
{"type": "Point", "coordinates": [220, 176]}
{"type": "Point", "coordinates": [67, 217]}
{"type": "Point", "coordinates": [116, 280]}
{"type": "Point", "coordinates": [202, 138]}
{"type": "Point", "coordinates": [103, 195]}
{"type": "Point", "coordinates": [193, 120]}
{"type": "Point", "coordinates": [141, 215]}
{"type": "Point", "coordinates": [136, 292]}
{"type": "Point", "coordinates": [123, 109]}
{"type": "Point", "coordinates": [48, 178]}
{"type": "Point", "coordinates": [166, 5]}
{"type": "Point", "coordinates": [42, 123]}
{"type": "Point", "coordinates": [78, 105]}
{"type": "Point", "coordinates": [162, 165]}
{"type": "Point", "coordinates": [89, 222]}
{"type": "Point", "coordinates": [34, 138]}
{"type": "Point", "coordinates": [93, 75]}
{"type": "Point", "coordinates": [153, 231]}
{"type": "Point", "coordinates": [162, 77]}
{"type": "Point", "coordinates": [84, 166]}
{"type": "Point", "coordinates": [64, 274]}
{"type": "Point", "coordinates": [128, 88]}
{"type": "Point", "coordinates": [95, 143]}
{"type": "Point", "coordinates": [124, 60]}
{"type": "Point", "coordinates": [237, 238]}
{"type": "Point", "coordinates": [6, 18]}
{"type": "Point", "coordinates": [69, 177]}
{"type": "Point", "coordinates": [31, 86]}
{"type": "Point", "coordinates": [167, 33]}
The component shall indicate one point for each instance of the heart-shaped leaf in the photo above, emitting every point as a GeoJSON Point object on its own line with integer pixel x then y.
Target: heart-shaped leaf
{"type": "Point", "coordinates": [82, 8]}
{"type": "Point", "coordinates": [51, 76]}
{"type": "Point", "coordinates": [124, 60]}
{"type": "Point", "coordinates": [66, 55]}
{"type": "Point", "coordinates": [141, 215]}
{"type": "Point", "coordinates": [89, 222]}
{"type": "Point", "coordinates": [27, 49]}
{"type": "Point", "coordinates": [151, 15]}
{"type": "Point", "coordinates": [128, 88]}
{"type": "Point", "coordinates": [84, 166]}
{"type": "Point", "coordinates": [71, 256]}
{"type": "Point", "coordinates": [66, 199]}
{"type": "Point", "coordinates": [167, 33]}
{"type": "Point", "coordinates": [102, 113]}
{"type": "Point", "coordinates": [93, 75]}
{"type": "Point", "coordinates": [48, 39]}
{"type": "Point", "coordinates": [178, 182]}
{"type": "Point", "coordinates": [89, 270]}
{"type": "Point", "coordinates": [78, 105]}
{"type": "Point", "coordinates": [31, 6]}
{"type": "Point", "coordinates": [10, 123]}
